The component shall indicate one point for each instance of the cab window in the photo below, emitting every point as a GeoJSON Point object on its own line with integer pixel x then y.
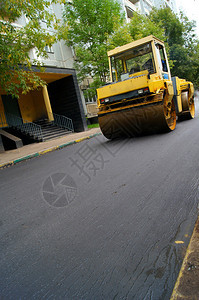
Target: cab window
{"type": "Point", "coordinates": [133, 61]}
{"type": "Point", "coordinates": [161, 57]}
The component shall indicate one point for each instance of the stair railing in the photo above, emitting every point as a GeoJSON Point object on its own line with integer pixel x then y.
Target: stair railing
{"type": "Point", "coordinates": [28, 127]}
{"type": "Point", "coordinates": [62, 121]}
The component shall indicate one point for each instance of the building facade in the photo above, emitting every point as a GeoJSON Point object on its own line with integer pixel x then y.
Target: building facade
{"type": "Point", "coordinates": [145, 6]}
{"type": "Point", "coordinates": [60, 97]}
{"type": "Point", "coordinates": [166, 3]}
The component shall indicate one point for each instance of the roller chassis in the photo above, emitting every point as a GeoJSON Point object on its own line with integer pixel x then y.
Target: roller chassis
{"type": "Point", "coordinates": [143, 102]}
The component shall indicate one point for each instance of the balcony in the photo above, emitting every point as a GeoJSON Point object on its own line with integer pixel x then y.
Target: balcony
{"type": "Point", "coordinates": [130, 7]}
{"type": "Point", "coordinates": [149, 2]}
{"type": "Point", "coordinates": [168, 4]}
{"type": "Point", "coordinates": [134, 1]}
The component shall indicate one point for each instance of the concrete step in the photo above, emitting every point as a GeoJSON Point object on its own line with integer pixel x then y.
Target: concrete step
{"type": "Point", "coordinates": [50, 130]}
{"type": "Point", "coordinates": [54, 133]}
{"type": "Point", "coordinates": [52, 136]}
{"type": "Point", "coordinates": [46, 125]}
{"type": "Point", "coordinates": [39, 122]}
{"type": "Point", "coordinates": [55, 128]}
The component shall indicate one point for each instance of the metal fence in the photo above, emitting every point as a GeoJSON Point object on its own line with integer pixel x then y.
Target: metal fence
{"type": "Point", "coordinates": [62, 121]}
{"type": "Point", "coordinates": [32, 129]}
{"type": "Point", "coordinates": [25, 126]}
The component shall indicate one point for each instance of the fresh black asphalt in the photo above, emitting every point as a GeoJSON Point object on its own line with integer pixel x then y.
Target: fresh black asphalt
{"type": "Point", "coordinates": [100, 219]}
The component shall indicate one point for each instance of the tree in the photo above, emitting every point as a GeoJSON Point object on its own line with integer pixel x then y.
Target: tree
{"type": "Point", "coordinates": [120, 37]}
{"type": "Point", "coordinates": [93, 27]}
{"type": "Point", "coordinates": [88, 26]}
{"type": "Point", "coordinates": [142, 26]}
{"type": "Point", "coordinates": [16, 42]}
{"type": "Point", "coordinates": [181, 38]}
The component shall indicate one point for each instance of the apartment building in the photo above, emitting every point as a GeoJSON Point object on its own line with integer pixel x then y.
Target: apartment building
{"type": "Point", "coordinates": [166, 3]}
{"type": "Point", "coordinates": [144, 6]}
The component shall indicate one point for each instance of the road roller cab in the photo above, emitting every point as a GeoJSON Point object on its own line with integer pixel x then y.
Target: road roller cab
{"type": "Point", "coordinates": [142, 96]}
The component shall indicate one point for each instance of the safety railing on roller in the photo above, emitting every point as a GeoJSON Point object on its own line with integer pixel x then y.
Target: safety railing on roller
{"type": "Point", "coordinates": [62, 121]}
{"type": "Point", "coordinates": [25, 126]}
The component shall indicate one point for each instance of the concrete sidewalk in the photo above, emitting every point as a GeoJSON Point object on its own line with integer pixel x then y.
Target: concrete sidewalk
{"type": "Point", "coordinates": [14, 156]}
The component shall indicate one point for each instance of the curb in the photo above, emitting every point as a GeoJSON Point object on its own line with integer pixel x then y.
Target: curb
{"type": "Point", "coordinates": [42, 152]}
{"type": "Point", "coordinates": [187, 284]}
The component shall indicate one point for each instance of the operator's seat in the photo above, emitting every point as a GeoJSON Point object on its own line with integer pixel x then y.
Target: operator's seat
{"type": "Point", "coordinates": [148, 65]}
{"type": "Point", "coordinates": [135, 69]}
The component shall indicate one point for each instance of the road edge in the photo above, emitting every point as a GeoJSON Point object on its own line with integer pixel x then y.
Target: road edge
{"type": "Point", "coordinates": [189, 268]}
{"type": "Point", "coordinates": [42, 152]}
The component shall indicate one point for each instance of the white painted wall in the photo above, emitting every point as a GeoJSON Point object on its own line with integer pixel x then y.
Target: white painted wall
{"type": "Point", "coordinates": [168, 3]}
{"type": "Point", "coordinates": [60, 54]}
{"type": "Point", "coordinates": [144, 6]}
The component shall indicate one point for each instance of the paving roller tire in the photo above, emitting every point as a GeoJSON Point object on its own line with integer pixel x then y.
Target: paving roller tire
{"type": "Point", "coordinates": [188, 107]}
{"type": "Point", "coordinates": [136, 121]}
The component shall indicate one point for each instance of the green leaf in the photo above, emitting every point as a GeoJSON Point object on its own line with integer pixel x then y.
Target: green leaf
{"type": "Point", "coordinates": [16, 42]}
{"type": "Point", "coordinates": [88, 26]}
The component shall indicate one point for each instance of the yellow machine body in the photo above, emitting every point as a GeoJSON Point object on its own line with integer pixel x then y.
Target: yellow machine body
{"type": "Point", "coordinates": [142, 97]}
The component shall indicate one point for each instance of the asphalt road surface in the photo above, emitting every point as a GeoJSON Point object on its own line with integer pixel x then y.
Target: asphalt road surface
{"type": "Point", "coordinates": [100, 219]}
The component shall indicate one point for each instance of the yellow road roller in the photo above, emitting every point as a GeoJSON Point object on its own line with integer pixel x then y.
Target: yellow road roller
{"type": "Point", "coordinates": [141, 96]}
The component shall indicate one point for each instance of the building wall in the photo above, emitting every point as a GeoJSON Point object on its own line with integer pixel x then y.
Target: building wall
{"type": "Point", "coordinates": [144, 6]}
{"type": "Point", "coordinates": [36, 104]}
{"type": "Point", "coordinates": [32, 106]}
{"type": "Point", "coordinates": [166, 3]}
{"type": "Point", "coordinates": [41, 110]}
{"type": "Point", "coordinates": [61, 96]}
{"type": "Point", "coordinates": [129, 7]}
{"type": "Point", "coordinates": [59, 55]}
{"type": "Point", "coordinates": [27, 108]}
{"type": "Point", "coordinates": [3, 122]}
{"type": "Point", "coordinates": [65, 100]}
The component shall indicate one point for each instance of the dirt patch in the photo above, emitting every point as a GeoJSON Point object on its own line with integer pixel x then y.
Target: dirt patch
{"type": "Point", "coordinates": [187, 285]}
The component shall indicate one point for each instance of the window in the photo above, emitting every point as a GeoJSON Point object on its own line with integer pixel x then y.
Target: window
{"type": "Point", "coordinates": [117, 68]}
{"type": "Point", "coordinates": [48, 49]}
{"type": "Point", "coordinates": [161, 57]}
{"type": "Point", "coordinates": [132, 61]}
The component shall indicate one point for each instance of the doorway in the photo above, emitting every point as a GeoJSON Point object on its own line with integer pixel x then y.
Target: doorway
{"type": "Point", "coordinates": [11, 107]}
